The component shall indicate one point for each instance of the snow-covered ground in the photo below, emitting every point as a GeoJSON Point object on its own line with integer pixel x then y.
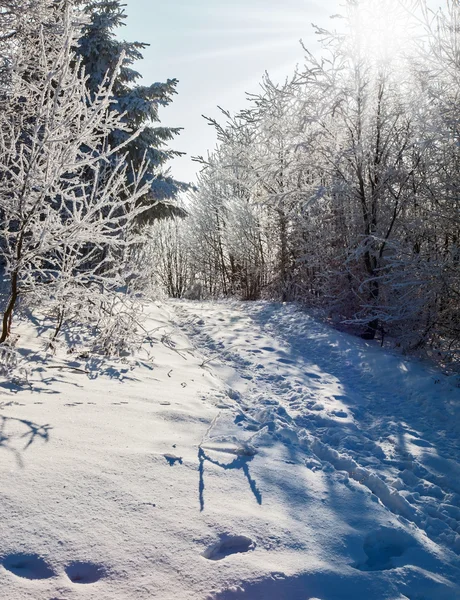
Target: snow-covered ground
{"type": "Point", "coordinates": [255, 454]}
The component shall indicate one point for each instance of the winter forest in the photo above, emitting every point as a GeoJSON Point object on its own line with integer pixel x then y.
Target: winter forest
{"type": "Point", "coordinates": [244, 386]}
{"type": "Point", "coordinates": [338, 188]}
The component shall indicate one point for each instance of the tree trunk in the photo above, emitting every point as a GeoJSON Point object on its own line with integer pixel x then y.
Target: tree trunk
{"type": "Point", "coordinates": [8, 314]}
{"type": "Point", "coordinates": [284, 258]}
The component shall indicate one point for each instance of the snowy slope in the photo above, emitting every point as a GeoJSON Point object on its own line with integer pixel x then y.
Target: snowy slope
{"type": "Point", "coordinates": [256, 454]}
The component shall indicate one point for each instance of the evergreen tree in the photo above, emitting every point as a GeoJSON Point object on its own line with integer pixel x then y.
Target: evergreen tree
{"type": "Point", "coordinates": [100, 51]}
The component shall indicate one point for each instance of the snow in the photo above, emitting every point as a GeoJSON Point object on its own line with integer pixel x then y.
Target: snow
{"type": "Point", "coordinates": [249, 451]}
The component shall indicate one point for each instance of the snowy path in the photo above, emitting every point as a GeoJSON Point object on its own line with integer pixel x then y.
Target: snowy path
{"type": "Point", "coordinates": [366, 417]}
{"type": "Point", "coordinates": [255, 454]}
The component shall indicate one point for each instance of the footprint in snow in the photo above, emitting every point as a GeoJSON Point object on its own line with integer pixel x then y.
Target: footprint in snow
{"type": "Point", "coordinates": [421, 443]}
{"type": "Point", "coordinates": [340, 413]}
{"type": "Point", "coordinates": [29, 566]}
{"type": "Point", "coordinates": [381, 546]}
{"type": "Point", "coordinates": [313, 375]}
{"type": "Point", "coordinates": [84, 572]}
{"type": "Point", "coordinates": [233, 394]}
{"type": "Point", "coordinates": [316, 406]}
{"type": "Point", "coordinates": [229, 544]}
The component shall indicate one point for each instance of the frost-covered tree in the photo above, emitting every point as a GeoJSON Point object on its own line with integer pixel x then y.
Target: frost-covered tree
{"type": "Point", "coordinates": [340, 188]}
{"type": "Point", "coordinates": [165, 247]}
{"type": "Point", "coordinates": [427, 281]}
{"type": "Point", "coordinates": [65, 194]}
{"type": "Point", "coordinates": [139, 105]}
{"type": "Point", "coordinates": [226, 248]}
{"type": "Point", "coordinates": [365, 153]}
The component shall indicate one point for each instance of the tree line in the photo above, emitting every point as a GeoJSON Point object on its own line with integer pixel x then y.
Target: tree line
{"type": "Point", "coordinates": [340, 188]}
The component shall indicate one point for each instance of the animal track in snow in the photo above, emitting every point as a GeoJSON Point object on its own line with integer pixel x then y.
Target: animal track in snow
{"type": "Point", "coordinates": [84, 572]}
{"type": "Point", "coordinates": [29, 566]}
{"type": "Point", "coordinates": [381, 546]}
{"type": "Point", "coordinates": [233, 544]}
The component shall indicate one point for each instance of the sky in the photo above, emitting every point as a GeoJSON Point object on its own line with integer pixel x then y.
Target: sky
{"type": "Point", "coordinates": [218, 50]}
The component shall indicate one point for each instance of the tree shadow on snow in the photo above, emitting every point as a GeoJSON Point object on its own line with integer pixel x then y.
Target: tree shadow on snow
{"type": "Point", "coordinates": [17, 435]}
{"type": "Point", "coordinates": [100, 366]}
{"type": "Point", "coordinates": [377, 386]}
{"type": "Point", "coordinates": [240, 462]}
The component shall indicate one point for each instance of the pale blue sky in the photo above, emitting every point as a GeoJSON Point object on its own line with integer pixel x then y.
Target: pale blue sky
{"type": "Point", "coordinates": [218, 50]}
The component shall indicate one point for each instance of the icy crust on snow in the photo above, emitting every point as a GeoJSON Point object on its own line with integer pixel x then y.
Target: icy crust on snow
{"type": "Point", "coordinates": [362, 417]}
{"type": "Point", "coordinates": [256, 454]}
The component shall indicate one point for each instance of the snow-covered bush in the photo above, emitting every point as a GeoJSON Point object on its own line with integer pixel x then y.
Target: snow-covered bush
{"type": "Point", "coordinates": [67, 198]}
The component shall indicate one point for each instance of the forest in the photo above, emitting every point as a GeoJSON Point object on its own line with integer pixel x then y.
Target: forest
{"type": "Point", "coordinates": [338, 188]}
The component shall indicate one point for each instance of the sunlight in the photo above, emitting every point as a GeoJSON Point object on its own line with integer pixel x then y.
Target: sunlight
{"type": "Point", "coordinates": [381, 29]}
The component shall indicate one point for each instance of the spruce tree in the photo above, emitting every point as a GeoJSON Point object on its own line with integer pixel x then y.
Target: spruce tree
{"type": "Point", "coordinates": [100, 51]}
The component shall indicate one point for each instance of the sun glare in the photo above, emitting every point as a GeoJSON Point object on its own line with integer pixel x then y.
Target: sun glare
{"type": "Point", "coordinates": [382, 29]}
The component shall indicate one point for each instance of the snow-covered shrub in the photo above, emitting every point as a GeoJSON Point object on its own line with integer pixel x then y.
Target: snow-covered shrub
{"type": "Point", "coordinates": [67, 197]}
{"type": "Point", "coordinates": [119, 330]}
{"type": "Point", "coordinates": [12, 365]}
